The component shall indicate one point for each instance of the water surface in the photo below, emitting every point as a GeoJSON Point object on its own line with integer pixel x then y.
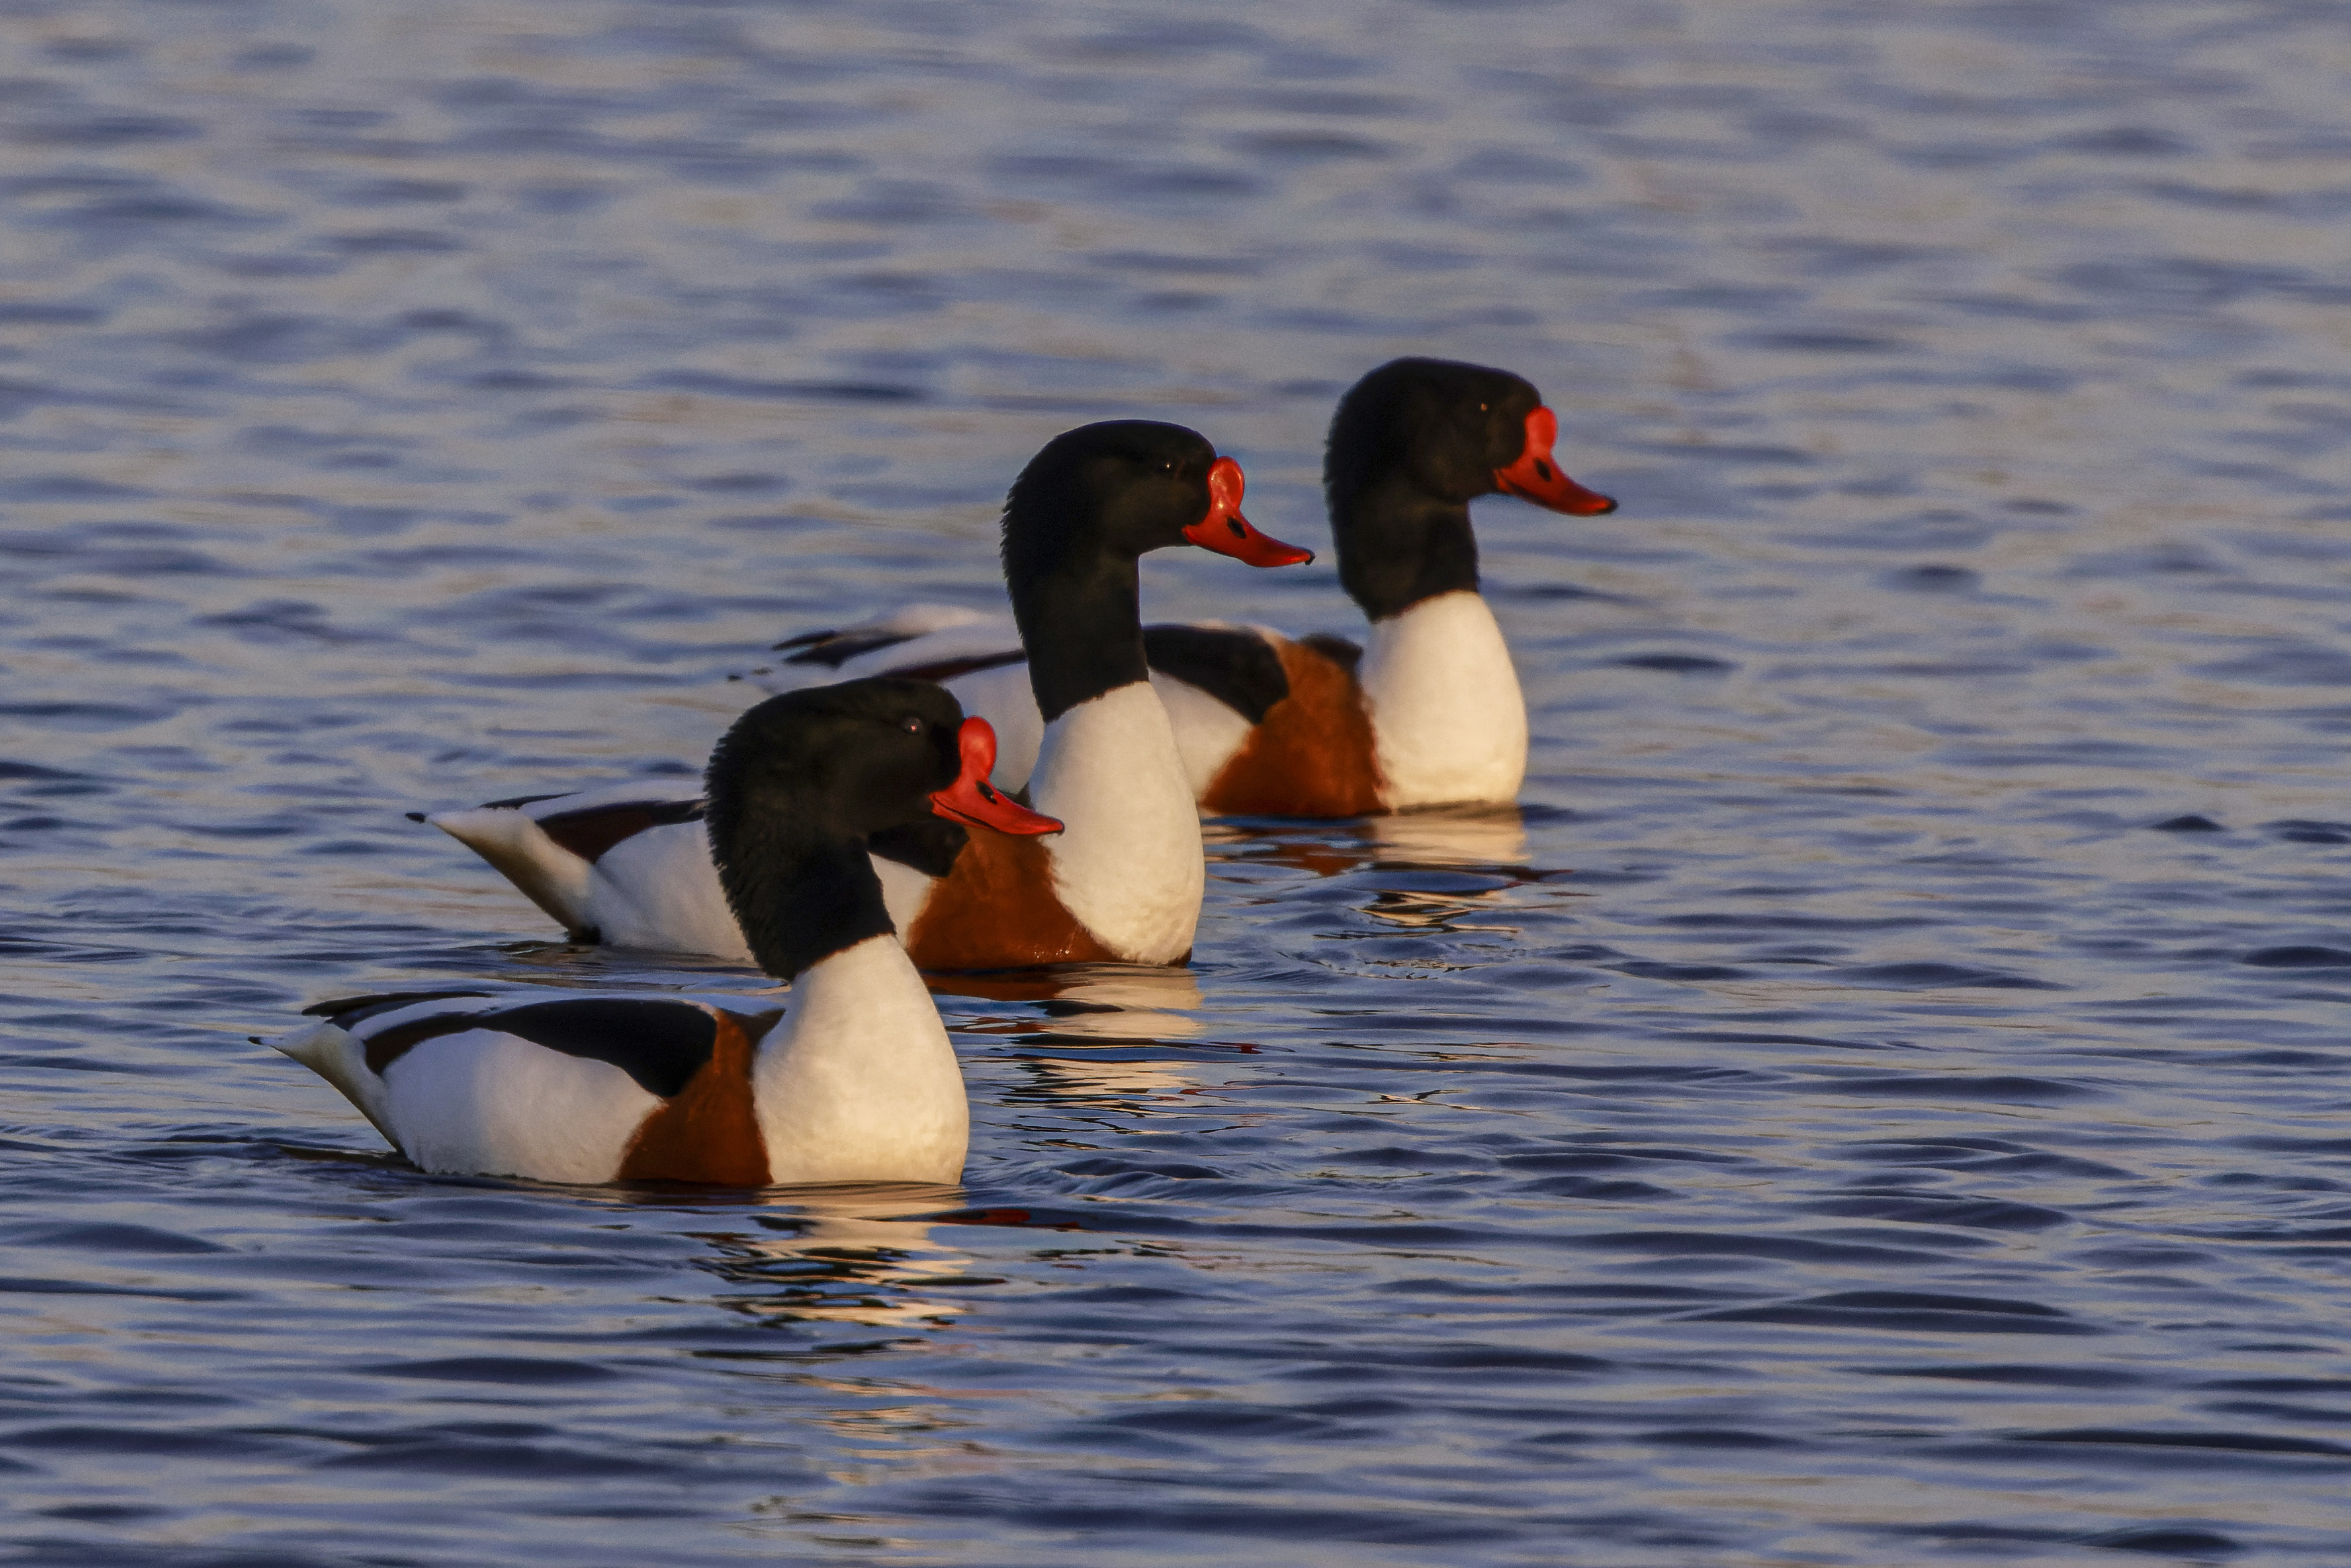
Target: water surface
{"type": "Point", "coordinates": [1883, 1103]}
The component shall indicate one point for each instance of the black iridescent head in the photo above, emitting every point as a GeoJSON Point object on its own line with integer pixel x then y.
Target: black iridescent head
{"type": "Point", "coordinates": [1412, 444]}
{"type": "Point", "coordinates": [1077, 519]}
{"type": "Point", "coordinates": [1120, 488]}
{"type": "Point", "coordinates": [799, 786]}
{"type": "Point", "coordinates": [1440, 427]}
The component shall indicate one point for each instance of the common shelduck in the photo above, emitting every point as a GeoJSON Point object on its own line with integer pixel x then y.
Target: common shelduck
{"type": "Point", "coordinates": [849, 1079]}
{"type": "Point", "coordinates": [1317, 726]}
{"type": "Point", "coordinates": [630, 864]}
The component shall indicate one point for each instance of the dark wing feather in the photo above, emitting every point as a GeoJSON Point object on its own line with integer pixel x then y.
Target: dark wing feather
{"type": "Point", "coordinates": [590, 832]}
{"type": "Point", "coordinates": [835, 649]}
{"type": "Point", "coordinates": [1346, 655]}
{"type": "Point", "coordinates": [349, 1011]}
{"type": "Point", "coordinates": [949, 669]}
{"type": "Point", "coordinates": [659, 1043]}
{"type": "Point", "coordinates": [1238, 669]}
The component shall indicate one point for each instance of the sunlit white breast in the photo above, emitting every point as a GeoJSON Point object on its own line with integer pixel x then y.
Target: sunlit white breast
{"type": "Point", "coordinates": [1449, 722]}
{"type": "Point", "coordinates": [1129, 864]}
{"type": "Point", "coordinates": [857, 1082]}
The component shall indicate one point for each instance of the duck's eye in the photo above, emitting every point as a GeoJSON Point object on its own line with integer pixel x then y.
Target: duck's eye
{"type": "Point", "coordinates": [912, 726]}
{"type": "Point", "coordinates": [1167, 467]}
{"type": "Point", "coordinates": [1485, 408]}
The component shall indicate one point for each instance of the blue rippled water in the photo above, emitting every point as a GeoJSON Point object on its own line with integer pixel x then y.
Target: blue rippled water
{"type": "Point", "coordinates": [1883, 1103]}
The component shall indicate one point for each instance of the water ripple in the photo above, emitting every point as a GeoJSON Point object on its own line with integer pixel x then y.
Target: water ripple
{"type": "Point", "coordinates": [1877, 1102]}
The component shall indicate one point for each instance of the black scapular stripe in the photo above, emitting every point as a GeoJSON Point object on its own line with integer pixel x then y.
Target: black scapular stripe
{"type": "Point", "coordinates": [1338, 650]}
{"type": "Point", "coordinates": [835, 649]}
{"type": "Point", "coordinates": [591, 831]}
{"type": "Point", "coordinates": [349, 1011]}
{"type": "Point", "coordinates": [1238, 669]}
{"type": "Point", "coordinates": [660, 1044]}
{"type": "Point", "coordinates": [945, 669]}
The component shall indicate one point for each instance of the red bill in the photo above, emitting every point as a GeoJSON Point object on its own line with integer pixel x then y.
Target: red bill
{"type": "Point", "coordinates": [1536, 478]}
{"type": "Point", "coordinates": [1227, 532]}
{"type": "Point", "coordinates": [972, 799]}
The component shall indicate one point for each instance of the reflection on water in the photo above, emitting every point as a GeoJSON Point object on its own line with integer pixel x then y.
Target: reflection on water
{"type": "Point", "coordinates": [1481, 837]}
{"type": "Point", "coordinates": [1486, 838]}
{"type": "Point", "coordinates": [841, 1255]}
{"type": "Point", "coordinates": [1109, 1001]}
{"type": "Point", "coordinates": [1120, 1080]}
{"type": "Point", "coordinates": [1449, 870]}
{"type": "Point", "coordinates": [1103, 1034]}
{"type": "Point", "coordinates": [1879, 1103]}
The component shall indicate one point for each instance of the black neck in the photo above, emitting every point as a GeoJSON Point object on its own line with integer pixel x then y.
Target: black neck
{"type": "Point", "coordinates": [1398, 545]}
{"type": "Point", "coordinates": [799, 897]}
{"type": "Point", "coordinates": [1081, 618]}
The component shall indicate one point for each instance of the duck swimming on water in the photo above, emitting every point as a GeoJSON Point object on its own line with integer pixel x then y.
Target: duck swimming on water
{"type": "Point", "coordinates": [850, 1079]}
{"type": "Point", "coordinates": [631, 864]}
{"type": "Point", "coordinates": [1430, 714]}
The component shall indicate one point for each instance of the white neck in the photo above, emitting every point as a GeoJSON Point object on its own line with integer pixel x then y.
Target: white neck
{"type": "Point", "coordinates": [857, 1082]}
{"type": "Point", "coordinates": [1129, 866]}
{"type": "Point", "coordinates": [1447, 720]}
